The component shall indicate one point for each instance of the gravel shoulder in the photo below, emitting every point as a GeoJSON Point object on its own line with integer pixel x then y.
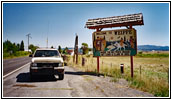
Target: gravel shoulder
{"type": "Point", "coordinates": [93, 86]}
{"type": "Point", "coordinates": [75, 84]}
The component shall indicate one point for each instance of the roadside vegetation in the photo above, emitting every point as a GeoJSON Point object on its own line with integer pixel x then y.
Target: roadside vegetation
{"type": "Point", "coordinates": [7, 55]}
{"type": "Point", "coordinates": [13, 50]}
{"type": "Point", "coordinates": [151, 70]}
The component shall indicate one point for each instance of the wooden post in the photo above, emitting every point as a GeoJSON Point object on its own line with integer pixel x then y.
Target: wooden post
{"type": "Point", "coordinates": [132, 74]}
{"type": "Point", "coordinates": [76, 49]}
{"type": "Point", "coordinates": [131, 57]}
{"type": "Point", "coordinates": [98, 29]}
{"type": "Point", "coordinates": [122, 68]}
{"type": "Point", "coordinates": [140, 71]}
{"type": "Point", "coordinates": [74, 57]}
{"type": "Point", "coordinates": [98, 65]}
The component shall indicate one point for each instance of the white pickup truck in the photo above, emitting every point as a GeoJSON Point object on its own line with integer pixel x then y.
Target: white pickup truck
{"type": "Point", "coordinates": [47, 62]}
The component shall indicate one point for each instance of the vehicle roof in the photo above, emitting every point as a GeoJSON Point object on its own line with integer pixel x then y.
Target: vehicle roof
{"type": "Point", "coordinates": [46, 49]}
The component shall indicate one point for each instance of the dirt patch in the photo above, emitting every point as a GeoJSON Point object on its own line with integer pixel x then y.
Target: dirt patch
{"type": "Point", "coordinates": [54, 88]}
{"type": "Point", "coordinates": [87, 78]}
{"type": "Point", "coordinates": [23, 85]}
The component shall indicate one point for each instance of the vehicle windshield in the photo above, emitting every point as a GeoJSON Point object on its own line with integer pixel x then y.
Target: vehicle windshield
{"type": "Point", "coordinates": [46, 53]}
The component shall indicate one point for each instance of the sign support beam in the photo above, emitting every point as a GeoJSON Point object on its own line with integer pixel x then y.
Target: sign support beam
{"type": "Point", "coordinates": [98, 64]}
{"type": "Point", "coordinates": [131, 58]}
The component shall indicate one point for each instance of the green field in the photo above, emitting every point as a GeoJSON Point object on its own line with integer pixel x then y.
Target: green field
{"type": "Point", "coordinates": [151, 70]}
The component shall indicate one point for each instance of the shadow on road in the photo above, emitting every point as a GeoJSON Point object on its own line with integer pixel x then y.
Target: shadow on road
{"type": "Point", "coordinates": [25, 77]}
{"type": "Point", "coordinates": [83, 73]}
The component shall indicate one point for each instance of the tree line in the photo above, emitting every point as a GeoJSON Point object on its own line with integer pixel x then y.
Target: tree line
{"type": "Point", "coordinates": [11, 48]}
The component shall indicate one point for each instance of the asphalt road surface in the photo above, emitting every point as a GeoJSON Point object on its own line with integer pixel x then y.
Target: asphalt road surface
{"type": "Point", "coordinates": [11, 64]}
{"type": "Point", "coordinates": [75, 84]}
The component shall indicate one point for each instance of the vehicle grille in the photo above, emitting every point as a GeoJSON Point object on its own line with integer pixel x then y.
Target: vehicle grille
{"type": "Point", "coordinates": [47, 64]}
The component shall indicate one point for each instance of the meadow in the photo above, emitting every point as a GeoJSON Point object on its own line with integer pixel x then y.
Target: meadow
{"type": "Point", "coordinates": [151, 70]}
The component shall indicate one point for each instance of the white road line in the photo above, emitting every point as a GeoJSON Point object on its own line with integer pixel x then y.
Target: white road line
{"type": "Point", "coordinates": [15, 70]}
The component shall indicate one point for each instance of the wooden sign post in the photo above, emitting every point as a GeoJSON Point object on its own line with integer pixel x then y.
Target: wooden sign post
{"type": "Point", "coordinates": [131, 59]}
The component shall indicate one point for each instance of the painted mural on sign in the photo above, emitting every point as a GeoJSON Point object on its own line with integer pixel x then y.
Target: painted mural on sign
{"type": "Point", "coordinates": [121, 42]}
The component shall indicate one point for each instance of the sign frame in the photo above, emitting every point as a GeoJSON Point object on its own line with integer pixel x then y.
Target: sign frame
{"type": "Point", "coordinates": [105, 43]}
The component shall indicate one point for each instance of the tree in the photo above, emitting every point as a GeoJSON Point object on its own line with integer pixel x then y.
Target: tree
{"type": "Point", "coordinates": [85, 48]}
{"type": "Point", "coordinates": [60, 49]}
{"type": "Point", "coordinates": [18, 46]}
{"type": "Point", "coordinates": [33, 48]}
{"type": "Point", "coordinates": [9, 47]}
{"type": "Point", "coordinates": [14, 48]}
{"type": "Point", "coordinates": [22, 46]}
{"type": "Point", "coordinates": [65, 50]}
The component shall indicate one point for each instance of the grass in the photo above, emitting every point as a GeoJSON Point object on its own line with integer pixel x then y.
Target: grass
{"type": "Point", "coordinates": [151, 72]}
{"type": "Point", "coordinates": [152, 55]}
{"type": "Point", "coordinates": [15, 55]}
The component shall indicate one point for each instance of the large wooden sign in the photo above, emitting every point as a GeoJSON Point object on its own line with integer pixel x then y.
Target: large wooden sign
{"type": "Point", "coordinates": [121, 42]}
{"type": "Point", "coordinates": [115, 21]}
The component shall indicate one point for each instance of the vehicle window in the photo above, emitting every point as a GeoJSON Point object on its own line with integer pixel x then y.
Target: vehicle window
{"type": "Point", "coordinates": [46, 53]}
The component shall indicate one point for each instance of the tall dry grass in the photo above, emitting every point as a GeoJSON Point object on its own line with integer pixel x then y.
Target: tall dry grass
{"type": "Point", "coordinates": [150, 74]}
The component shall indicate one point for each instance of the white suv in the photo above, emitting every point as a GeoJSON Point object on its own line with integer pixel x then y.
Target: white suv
{"type": "Point", "coordinates": [47, 62]}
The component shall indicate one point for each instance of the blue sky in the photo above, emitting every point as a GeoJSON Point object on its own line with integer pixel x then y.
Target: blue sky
{"type": "Point", "coordinates": [61, 21]}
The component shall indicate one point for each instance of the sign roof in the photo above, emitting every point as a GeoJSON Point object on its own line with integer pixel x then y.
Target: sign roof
{"type": "Point", "coordinates": [115, 21]}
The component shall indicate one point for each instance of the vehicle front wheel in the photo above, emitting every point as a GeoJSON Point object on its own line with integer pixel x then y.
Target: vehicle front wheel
{"type": "Point", "coordinates": [61, 76]}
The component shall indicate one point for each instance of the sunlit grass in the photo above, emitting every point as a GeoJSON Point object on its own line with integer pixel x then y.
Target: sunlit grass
{"type": "Point", "coordinates": [150, 73]}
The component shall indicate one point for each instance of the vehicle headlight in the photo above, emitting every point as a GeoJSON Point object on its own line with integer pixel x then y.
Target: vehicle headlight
{"type": "Point", "coordinates": [60, 64]}
{"type": "Point", "coordinates": [34, 64]}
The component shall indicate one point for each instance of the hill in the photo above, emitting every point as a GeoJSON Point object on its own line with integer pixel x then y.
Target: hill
{"type": "Point", "coordinates": [152, 47]}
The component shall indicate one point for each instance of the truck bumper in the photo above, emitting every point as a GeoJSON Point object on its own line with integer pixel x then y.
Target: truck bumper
{"type": "Point", "coordinates": [46, 70]}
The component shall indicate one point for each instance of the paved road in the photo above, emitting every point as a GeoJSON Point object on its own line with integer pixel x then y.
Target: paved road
{"type": "Point", "coordinates": [75, 84]}
{"type": "Point", "coordinates": [11, 64]}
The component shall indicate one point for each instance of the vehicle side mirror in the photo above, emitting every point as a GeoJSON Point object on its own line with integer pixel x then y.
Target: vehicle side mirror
{"type": "Point", "coordinates": [30, 55]}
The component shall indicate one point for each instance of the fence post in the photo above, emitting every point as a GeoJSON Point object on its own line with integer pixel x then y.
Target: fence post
{"type": "Point", "coordinates": [83, 61]}
{"type": "Point", "coordinates": [140, 71]}
{"type": "Point", "coordinates": [122, 68]}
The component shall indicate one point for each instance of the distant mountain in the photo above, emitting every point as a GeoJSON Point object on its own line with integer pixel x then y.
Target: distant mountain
{"type": "Point", "coordinates": [152, 47]}
{"type": "Point", "coordinates": [143, 48]}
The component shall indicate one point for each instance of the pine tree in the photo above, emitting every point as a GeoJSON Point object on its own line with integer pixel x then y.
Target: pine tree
{"type": "Point", "coordinates": [22, 46]}
{"type": "Point", "coordinates": [60, 49]}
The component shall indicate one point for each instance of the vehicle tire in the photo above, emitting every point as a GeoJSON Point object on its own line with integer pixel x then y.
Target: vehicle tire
{"type": "Point", "coordinates": [61, 76]}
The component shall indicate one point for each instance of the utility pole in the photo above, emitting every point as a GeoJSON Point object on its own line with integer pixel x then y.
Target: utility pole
{"type": "Point", "coordinates": [76, 41]}
{"type": "Point", "coordinates": [28, 35]}
{"type": "Point", "coordinates": [76, 50]}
